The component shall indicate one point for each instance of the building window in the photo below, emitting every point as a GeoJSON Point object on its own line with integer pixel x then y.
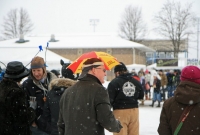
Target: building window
{"type": "Point", "coordinates": [109, 51]}
{"type": "Point", "coordinates": [162, 55]}
{"type": "Point", "coordinates": [149, 54]}
{"type": "Point", "coordinates": [80, 51]}
{"type": "Point", "coordinates": [169, 55]}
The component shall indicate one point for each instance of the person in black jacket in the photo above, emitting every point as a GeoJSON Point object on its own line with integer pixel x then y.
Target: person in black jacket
{"type": "Point", "coordinates": [170, 84]}
{"type": "Point", "coordinates": [15, 116]}
{"type": "Point", "coordinates": [37, 86]}
{"type": "Point", "coordinates": [51, 106]}
{"type": "Point", "coordinates": [124, 92]}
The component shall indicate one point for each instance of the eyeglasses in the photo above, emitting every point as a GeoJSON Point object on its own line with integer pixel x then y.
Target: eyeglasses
{"type": "Point", "coordinates": [104, 70]}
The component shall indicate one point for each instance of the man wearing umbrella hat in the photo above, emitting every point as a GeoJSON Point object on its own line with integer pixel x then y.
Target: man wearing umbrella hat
{"type": "Point", "coordinates": [85, 106]}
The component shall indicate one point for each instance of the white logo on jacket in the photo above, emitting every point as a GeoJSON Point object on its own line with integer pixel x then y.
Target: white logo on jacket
{"type": "Point", "coordinates": [128, 89]}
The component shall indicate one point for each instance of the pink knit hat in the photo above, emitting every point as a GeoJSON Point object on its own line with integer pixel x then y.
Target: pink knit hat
{"type": "Point", "coordinates": [190, 73]}
{"type": "Point", "coordinates": [147, 71]}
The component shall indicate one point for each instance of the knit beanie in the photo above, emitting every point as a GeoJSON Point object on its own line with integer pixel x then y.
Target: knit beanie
{"type": "Point", "coordinates": [190, 73]}
{"type": "Point", "coordinates": [38, 62]}
{"type": "Point", "coordinates": [120, 67]}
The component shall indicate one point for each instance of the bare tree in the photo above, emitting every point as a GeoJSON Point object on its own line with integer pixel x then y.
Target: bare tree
{"type": "Point", "coordinates": [17, 23]}
{"type": "Point", "coordinates": [174, 22]}
{"type": "Point", "coordinates": [10, 24]}
{"type": "Point", "coordinates": [132, 26]}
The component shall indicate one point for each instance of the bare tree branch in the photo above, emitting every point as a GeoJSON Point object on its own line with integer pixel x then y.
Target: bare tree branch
{"type": "Point", "coordinates": [174, 22]}
{"type": "Point", "coordinates": [16, 24]}
{"type": "Point", "coordinates": [132, 26]}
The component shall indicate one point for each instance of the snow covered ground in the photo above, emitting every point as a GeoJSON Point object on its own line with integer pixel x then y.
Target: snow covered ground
{"type": "Point", "coordinates": [149, 118]}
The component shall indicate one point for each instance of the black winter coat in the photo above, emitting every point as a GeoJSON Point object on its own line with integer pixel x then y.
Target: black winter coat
{"type": "Point", "coordinates": [158, 85]}
{"type": "Point", "coordinates": [85, 109]}
{"type": "Point", "coordinates": [36, 89]}
{"type": "Point", "coordinates": [51, 106]}
{"type": "Point", "coordinates": [124, 92]}
{"type": "Point", "coordinates": [15, 116]}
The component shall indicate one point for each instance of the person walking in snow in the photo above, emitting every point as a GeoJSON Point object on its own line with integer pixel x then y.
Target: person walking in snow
{"type": "Point", "coordinates": [37, 86]}
{"type": "Point", "coordinates": [85, 107]}
{"type": "Point", "coordinates": [51, 106]}
{"type": "Point", "coordinates": [163, 83]}
{"type": "Point", "coordinates": [124, 92]}
{"type": "Point", "coordinates": [15, 116]}
{"type": "Point", "coordinates": [156, 90]}
{"type": "Point", "coordinates": [180, 113]}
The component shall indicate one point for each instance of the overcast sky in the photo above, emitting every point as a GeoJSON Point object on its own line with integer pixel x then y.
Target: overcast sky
{"type": "Point", "coordinates": [73, 16]}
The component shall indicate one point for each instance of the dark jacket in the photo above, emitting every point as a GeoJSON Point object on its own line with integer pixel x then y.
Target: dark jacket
{"type": "Point", "coordinates": [187, 93]}
{"type": "Point", "coordinates": [36, 89]}
{"type": "Point", "coordinates": [176, 80]}
{"type": "Point", "coordinates": [124, 92]}
{"type": "Point", "coordinates": [170, 79]}
{"type": "Point", "coordinates": [51, 106]}
{"type": "Point", "coordinates": [158, 85]}
{"type": "Point", "coordinates": [15, 116]}
{"type": "Point", "coordinates": [85, 109]}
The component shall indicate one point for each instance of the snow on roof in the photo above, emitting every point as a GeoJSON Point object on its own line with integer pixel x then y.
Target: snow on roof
{"type": "Point", "coordinates": [25, 55]}
{"type": "Point", "coordinates": [77, 41]}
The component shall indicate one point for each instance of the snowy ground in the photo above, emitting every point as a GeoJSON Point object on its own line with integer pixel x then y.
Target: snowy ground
{"type": "Point", "coordinates": [149, 118]}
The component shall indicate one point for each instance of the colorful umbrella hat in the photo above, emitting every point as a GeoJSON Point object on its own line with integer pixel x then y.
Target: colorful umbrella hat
{"type": "Point", "coordinates": [108, 60]}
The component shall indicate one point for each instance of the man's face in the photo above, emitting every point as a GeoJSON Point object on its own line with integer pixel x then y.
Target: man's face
{"type": "Point", "coordinates": [100, 73]}
{"type": "Point", "coordinates": [38, 73]}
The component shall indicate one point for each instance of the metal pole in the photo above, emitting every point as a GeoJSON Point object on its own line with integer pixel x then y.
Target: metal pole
{"type": "Point", "coordinates": [93, 22]}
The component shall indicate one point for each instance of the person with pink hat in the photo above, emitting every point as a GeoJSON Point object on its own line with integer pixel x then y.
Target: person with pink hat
{"type": "Point", "coordinates": [180, 114]}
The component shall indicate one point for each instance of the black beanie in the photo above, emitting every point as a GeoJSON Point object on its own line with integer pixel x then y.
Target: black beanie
{"type": "Point", "coordinates": [120, 67]}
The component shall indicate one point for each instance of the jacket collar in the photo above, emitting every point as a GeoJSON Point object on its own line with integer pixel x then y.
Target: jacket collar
{"type": "Point", "coordinates": [90, 77]}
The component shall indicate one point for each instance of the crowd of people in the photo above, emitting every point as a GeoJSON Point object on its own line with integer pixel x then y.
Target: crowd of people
{"type": "Point", "coordinates": [158, 85]}
{"type": "Point", "coordinates": [50, 103]}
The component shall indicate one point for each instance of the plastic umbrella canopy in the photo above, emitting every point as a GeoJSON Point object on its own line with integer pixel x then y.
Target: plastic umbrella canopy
{"type": "Point", "coordinates": [108, 60]}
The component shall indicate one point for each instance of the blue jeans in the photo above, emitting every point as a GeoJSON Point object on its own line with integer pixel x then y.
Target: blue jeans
{"type": "Point", "coordinates": [157, 96]}
{"type": "Point", "coordinates": [170, 89]}
{"type": "Point", "coordinates": [37, 131]}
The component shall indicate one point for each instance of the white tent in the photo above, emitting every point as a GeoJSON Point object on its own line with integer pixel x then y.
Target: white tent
{"type": "Point", "coordinates": [137, 67]}
{"type": "Point", "coordinates": [25, 55]}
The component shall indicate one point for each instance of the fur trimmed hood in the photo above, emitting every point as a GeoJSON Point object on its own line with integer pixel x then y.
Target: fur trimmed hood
{"type": "Point", "coordinates": [61, 82]}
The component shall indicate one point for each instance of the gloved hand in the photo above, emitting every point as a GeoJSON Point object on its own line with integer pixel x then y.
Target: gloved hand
{"type": "Point", "coordinates": [33, 104]}
{"type": "Point", "coordinates": [120, 126]}
{"type": "Point", "coordinates": [165, 87]}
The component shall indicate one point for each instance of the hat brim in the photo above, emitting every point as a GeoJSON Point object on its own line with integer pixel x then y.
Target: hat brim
{"type": "Point", "coordinates": [22, 75]}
